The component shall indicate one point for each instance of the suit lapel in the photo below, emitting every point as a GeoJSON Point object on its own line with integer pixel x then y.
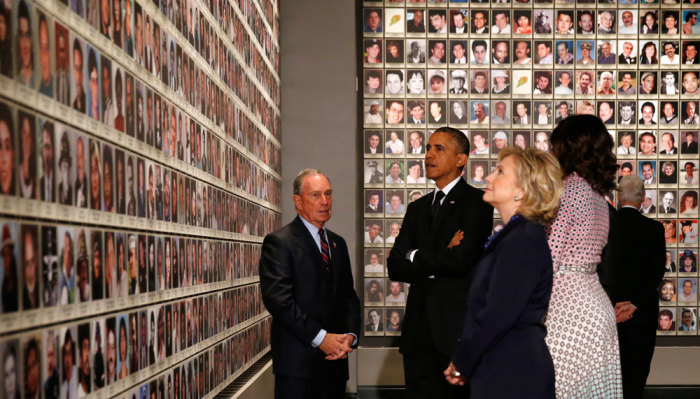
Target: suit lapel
{"type": "Point", "coordinates": [336, 260]}
{"type": "Point", "coordinates": [453, 200]}
{"type": "Point", "coordinates": [307, 244]}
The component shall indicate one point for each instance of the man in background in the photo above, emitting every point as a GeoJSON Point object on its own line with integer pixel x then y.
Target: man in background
{"type": "Point", "coordinates": [641, 262]}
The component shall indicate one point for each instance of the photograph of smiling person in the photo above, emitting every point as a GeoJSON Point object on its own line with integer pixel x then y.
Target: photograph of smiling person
{"type": "Point", "coordinates": [688, 322]}
{"type": "Point", "coordinates": [565, 22]}
{"type": "Point", "coordinates": [374, 262]}
{"type": "Point", "coordinates": [437, 51]}
{"type": "Point", "coordinates": [666, 323]}
{"type": "Point", "coordinates": [648, 83]}
{"type": "Point", "coordinates": [501, 112]}
{"type": "Point", "coordinates": [523, 22]}
{"type": "Point", "coordinates": [647, 143]}
{"type": "Point", "coordinates": [373, 51]}
{"type": "Point", "coordinates": [416, 172]}
{"type": "Point", "coordinates": [501, 22]}
{"type": "Point", "coordinates": [373, 82]}
{"type": "Point", "coordinates": [394, 112]}
{"type": "Point", "coordinates": [500, 52]}
{"type": "Point", "coordinates": [394, 81]}
{"type": "Point", "coordinates": [415, 51]}
{"type": "Point", "coordinates": [437, 112]}
{"type": "Point", "coordinates": [458, 21]}
{"type": "Point", "coordinates": [416, 82]}
{"type": "Point", "coordinates": [437, 21]}
{"type": "Point", "coordinates": [458, 50]}
{"type": "Point", "coordinates": [585, 22]}
{"type": "Point", "coordinates": [458, 112]}
{"type": "Point", "coordinates": [414, 21]}
{"type": "Point", "coordinates": [501, 81]}
{"type": "Point", "coordinates": [690, 52]}
{"type": "Point", "coordinates": [606, 22]}
{"type": "Point", "coordinates": [480, 21]}
{"type": "Point", "coordinates": [479, 112]}
{"type": "Point", "coordinates": [667, 290]}
{"type": "Point", "coordinates": [436, 82]}
{"type": "Point", "coordinates": [669, 114]}
{"type": "Point", "coordinates": [688, 293]}
{"type": "Point", "coordinates": [394, 51]}
{"type": "Point", "coordinates": [521, 53]}
{"type": "Point", "coordinates": [479, 51]}
{"type": "Point", "coordinates": [628, 22]}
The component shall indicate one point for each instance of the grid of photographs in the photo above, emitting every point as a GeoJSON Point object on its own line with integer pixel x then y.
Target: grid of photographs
{"type": "Point", "coordinates": [505, 73]}
{"type": "Point", "coordinates": [139, 171]}
{"type": "Point", "coordinates": [103, 356]}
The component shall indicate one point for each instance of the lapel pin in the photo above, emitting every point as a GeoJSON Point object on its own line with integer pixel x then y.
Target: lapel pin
{"type": "Point", "coordinates": [334, 244]}
{"type": "Point", "coordinates": [452, 202]}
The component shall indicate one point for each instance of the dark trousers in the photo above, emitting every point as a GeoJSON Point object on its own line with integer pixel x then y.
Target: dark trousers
{"type": "Point", "coordinates": [423, 367]}
{"type": "Point", "coordinates": [636, 351]}
{"type": "Point", "coordinates": [300, 388]}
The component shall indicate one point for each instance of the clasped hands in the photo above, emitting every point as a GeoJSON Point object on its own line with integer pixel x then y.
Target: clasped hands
{"type": "Point", "coordinates": [337, 346]}
{"type": "Point", "coordinates": [624, 311]}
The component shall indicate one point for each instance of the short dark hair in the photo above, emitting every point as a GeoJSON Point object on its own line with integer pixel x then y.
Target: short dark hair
{"type": "Point", "coordinates": [583, 145]}
{"type": "Point", "coordinates": [459, 138]}
{"type": "Point", "coordinates": [477, 43]}
{"type": "Point", "coordinates": [374, 74]}
{"type": "Point", "coordinates": [650, 104]}
{"type": "Point", "coordinates": [690, 16]}
{"type": "Point", "coordinates": [395, 72]}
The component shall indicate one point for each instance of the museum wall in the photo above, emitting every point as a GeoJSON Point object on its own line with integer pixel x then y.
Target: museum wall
{"type": "Point", "coordinates": [140, 169]}
{"type": "Point", "coordinates": [505, 73]}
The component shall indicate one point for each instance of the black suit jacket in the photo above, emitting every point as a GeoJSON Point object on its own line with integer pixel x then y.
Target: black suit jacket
{"type": "Point", "coordinates": [500, 339]}
{"type": "Point", "coordinates": [689, 149]}
{"type": "Point", "coordinates": [439, 303]}
{"type": "Point", "coordinates": [304, 298]}
{"type": "Point", "coordinates": [642, 262]}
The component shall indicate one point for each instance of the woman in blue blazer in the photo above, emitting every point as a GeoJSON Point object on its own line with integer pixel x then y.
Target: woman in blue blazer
{"type": "Point", "coordinates": [502, 353]}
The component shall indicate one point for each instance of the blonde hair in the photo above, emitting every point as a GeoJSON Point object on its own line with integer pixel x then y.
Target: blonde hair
{"type": "Point", "coordinates": [540, 177]}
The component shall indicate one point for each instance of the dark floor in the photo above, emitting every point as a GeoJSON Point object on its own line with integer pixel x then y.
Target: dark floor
{"type": "Point", "coordinates": [656, 392]}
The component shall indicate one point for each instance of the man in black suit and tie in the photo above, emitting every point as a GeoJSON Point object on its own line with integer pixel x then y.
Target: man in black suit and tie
{"type": "Point", "coordinates": [307, 287]}
{"type": "Point", "coordinates": [667, 200]}
{"type": "Point", "coordinates": [627, 57]}
{"type": "Point", "coordinates": [642, 258]}
{"type": "Point", "coordinates": [47, 149]}
{"type": "Point", "coordinates": [439, 276]}
{"type": "Point", "coordinates": [563, 112]}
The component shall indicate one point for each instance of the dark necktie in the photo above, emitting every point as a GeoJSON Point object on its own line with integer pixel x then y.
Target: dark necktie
{"type": "Point", "coordinates": [436, 203]}
{"type": "Point", "coordinates": [325, 253]}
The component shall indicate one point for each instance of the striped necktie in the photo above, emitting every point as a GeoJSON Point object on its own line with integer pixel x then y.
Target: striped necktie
{"type": "Point", "coordinates": [325, 252]}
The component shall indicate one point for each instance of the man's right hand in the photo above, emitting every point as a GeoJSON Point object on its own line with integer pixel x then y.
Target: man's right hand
{"type": "Point", "coordinates": [456, 239]}
{"type": "Point", "coordinates": [335, 347]}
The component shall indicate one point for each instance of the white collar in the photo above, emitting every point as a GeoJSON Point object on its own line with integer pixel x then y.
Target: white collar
{"type": "Point", "coordinates": [446, 189]}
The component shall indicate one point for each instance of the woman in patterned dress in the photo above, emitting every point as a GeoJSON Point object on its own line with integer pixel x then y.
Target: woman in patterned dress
{"type": "Point", "coordinates": [581, 329]}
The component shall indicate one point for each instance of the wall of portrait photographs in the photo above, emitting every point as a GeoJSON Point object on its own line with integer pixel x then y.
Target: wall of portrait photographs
{"type": "Point", "coordinates": [139, 171]}
{"type": "Point", "coordinates": [505, 73]}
